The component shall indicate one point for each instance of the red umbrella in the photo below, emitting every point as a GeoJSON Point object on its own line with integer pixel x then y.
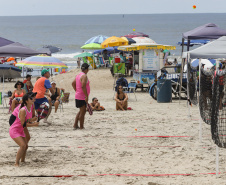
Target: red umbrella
{"type": "Point", "coordinates": [136, 34]}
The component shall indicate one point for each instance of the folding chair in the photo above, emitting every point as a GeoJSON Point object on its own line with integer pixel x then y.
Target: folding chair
{"type": "Point", "coordinates": [131, 89]}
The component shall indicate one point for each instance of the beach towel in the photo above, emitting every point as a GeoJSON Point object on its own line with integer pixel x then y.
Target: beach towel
{"type": "Point", "coordinates": [89, 108]}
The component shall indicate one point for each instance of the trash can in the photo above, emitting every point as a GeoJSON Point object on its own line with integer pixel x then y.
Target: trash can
{"type": "Point", "coordinates": [164, 91]}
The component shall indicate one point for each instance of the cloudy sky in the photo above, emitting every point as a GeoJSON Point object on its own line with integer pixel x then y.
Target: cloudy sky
{"type": "Point", "coordinates": [75, 7]}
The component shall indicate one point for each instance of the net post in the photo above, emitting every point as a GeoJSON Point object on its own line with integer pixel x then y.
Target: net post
{"type": "Point", "coordinates": [217, 161]}
{"type": "Point", "coordinates": [200, 119]}
{"type": "Point", "coordinates": [188, 97]}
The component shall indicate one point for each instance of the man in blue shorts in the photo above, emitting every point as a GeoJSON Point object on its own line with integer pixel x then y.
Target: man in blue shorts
{"type": "Point", "coordinates": [40, 87]}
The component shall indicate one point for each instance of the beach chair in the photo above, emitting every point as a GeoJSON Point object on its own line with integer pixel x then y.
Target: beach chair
{"type": "Point", "coordinates": [65, 97]}
{"type": "Point", "coordinates": [111, 61]}
{"type": "Point", "coordinates": [101, 59]}
{"type": "Point", "coordinates": [132, 88]}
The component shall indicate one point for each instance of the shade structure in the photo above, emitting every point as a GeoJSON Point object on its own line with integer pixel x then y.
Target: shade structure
{"type": "Point", "coordinates": [17, 50]}
{"type": "Point", "coordinates": [136, 34]}
{"type": "Point", "coordinates": [114, 41]}
{"type": "Point", "coordinates": [53, 49]}
{"type": "Point", "coordinates": [130, 40]}
{"type": "Point", "coordinates": [135, 47]}
{"type": "Point", "coordinates": [194, 42]}
{"type": "Point", "coordinates": [97, 39]}
{"type": "Point", "coordinates": [42, 62]}
{"type": "Point", "coordinates": [4, 42]}
{"type": "Point", "coordinates": [45, 50]}
{"type": "Point", "coordinates": [109, 50]}
{"type": "Point", "coordinates": [208, 63]}
{"type": "Point", "coordinates": [91, 46]}
{"type": "Point", "coordinates": [215, 49]}
{"type": "Point", "coordinates": [207, 31]}
{"type": "Point", "coordinates": [144, 40]}
{"type": "Point", "coordinates": [9, 71]}
{"type": "Point", "coordinates": [85, 54]}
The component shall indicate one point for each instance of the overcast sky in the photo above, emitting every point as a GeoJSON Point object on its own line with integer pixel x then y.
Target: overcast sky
{"type": "Point", "coordinates": [81, 7]}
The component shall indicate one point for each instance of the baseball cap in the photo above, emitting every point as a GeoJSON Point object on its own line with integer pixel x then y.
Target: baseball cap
{"type": "Point", "coordinates": [32, 94]}
{"type": "Point", "coordinates": [44, 71]}
{"type": "Point", "coordinates": [84, 66]}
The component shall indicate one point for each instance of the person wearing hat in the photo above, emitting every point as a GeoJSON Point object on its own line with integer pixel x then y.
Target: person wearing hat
{"type": "Point", "coordinates": [22, 117]}
{"type": "Point", "coordinates": [27, 84]}
{"type": "Point", "coordinates": [40, 87]}
{"type": "Point", "coordinates": [82, 91]}
{"type": "Point", "coordinates": [17, 95]}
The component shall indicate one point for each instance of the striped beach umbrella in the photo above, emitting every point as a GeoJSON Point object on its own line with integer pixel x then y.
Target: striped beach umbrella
{"type": "Point", "coordinates": [41, 62]}
{"type": "Point", "coordinates": [97, 39]}
{"type": "Point", "coordinates": [144, 40]}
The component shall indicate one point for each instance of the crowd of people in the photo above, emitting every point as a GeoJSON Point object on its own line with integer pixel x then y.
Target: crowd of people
{"type": "Point", "coordinates": [27, 98]}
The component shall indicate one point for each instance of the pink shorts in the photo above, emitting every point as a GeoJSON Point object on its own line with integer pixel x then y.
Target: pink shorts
{"type": "Point", "coordinates": [15, 132]}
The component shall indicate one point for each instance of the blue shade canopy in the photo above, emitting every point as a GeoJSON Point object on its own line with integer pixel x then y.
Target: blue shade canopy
{"type": "Point", "coordinates": [194, 42]}
{"type": "Point", "coordinates": [97, 39]}
{"type": "Point", "coordinates": [195, 62]}
{"type": "Point", "coordinates": [207, 31]}
{"type": "Point", "coordinates": [9, 71]}
{"type": "Point", "coordinates": [109, 50]}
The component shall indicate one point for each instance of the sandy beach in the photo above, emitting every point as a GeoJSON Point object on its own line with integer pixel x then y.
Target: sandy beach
{"type": "Point", "coordinates": [110, 145]}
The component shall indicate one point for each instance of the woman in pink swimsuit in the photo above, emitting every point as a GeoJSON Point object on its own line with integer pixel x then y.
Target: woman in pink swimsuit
{"type": "Point", "coordinates": [21, 118]}
{"type": "Point", "coordinates": [82, 91]}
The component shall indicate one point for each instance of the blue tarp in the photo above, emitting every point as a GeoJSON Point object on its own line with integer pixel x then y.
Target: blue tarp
{"type": "Point", "coordinates": [109, 50]}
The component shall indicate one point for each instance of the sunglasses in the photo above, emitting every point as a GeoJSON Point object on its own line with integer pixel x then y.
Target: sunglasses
{"type": "Point", "coordinates": [31, 98]}
{"type": "Point", "coordinates": [19, 84]}
{"type": "Point", "coordinates": [120, 88]}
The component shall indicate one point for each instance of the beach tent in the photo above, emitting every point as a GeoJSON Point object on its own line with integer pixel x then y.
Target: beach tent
{"type": "Point", "coordinates": [215, 49]}
{"type": "Point", "coordinates": [194, 42]}
{"type": "Point", "coordinates": [4, 42]}
{"type": "Point", "coordinates": [17, 50]}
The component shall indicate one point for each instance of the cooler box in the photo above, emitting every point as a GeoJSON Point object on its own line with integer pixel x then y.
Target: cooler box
{"type": "Point", "coordinates": [117, 60]}
{"type": "Point", "coordinates": [164, 91]}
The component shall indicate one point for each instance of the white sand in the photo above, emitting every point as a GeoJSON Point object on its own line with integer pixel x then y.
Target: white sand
{"type": "Point", "coordinates": [103, 147]}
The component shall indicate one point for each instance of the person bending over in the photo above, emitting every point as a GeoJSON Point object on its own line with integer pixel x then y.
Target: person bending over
{"type": "Point", "coordinates": [96, 105]}
{"type": "Point", "coordinates": [40, 87]}
{"type": "Point", "coordinates": [121, 99]}
{"type": "Point", "coordinates": [22, 117]}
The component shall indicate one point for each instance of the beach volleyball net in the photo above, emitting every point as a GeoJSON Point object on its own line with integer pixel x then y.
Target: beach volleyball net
{"type": "Point", "coordinates": [218, 115]}
{"type": "Point", "coordinates": [192, 84]}
{"type": "Point", "coordinates": [205, 94]}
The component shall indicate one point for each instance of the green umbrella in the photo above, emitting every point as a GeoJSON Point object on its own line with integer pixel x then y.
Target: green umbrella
{"type": "Point", "coordinates": [92, 46]}
{"type": "Point", "coordinates": [85, 54]}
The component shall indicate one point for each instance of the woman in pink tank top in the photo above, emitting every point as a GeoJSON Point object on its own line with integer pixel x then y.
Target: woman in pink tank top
{"type": "Point", "coordinates": [82, 91]}
{"type": "Point", "coordinates": [22, 117]}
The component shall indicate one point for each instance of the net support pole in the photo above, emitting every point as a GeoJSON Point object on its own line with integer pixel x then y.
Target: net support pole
{"type": "Point", "coordinates": [217, 161]}
{"type": "Point", "coordinates": [188, 96]}
{"type": "Point", "coordinates": [200, 119]}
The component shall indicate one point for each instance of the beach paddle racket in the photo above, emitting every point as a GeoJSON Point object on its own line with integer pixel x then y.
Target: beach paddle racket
{"type": "Point", "coordinates": [43, 110]}
{"type": "Point", "coordinates": [89, 108]}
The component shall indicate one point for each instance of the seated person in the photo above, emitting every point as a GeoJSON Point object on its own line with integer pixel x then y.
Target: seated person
{"type": "Point", "coordinates": [55, 98]}
{"type": "Point", "coordinates": [28, 85]}
{"type": "Point", "coordinates": [17, 95]}
{"type": "Point", "coordinates": [121, 99]}
{"type": "Point", "coordinates": [96, 105]}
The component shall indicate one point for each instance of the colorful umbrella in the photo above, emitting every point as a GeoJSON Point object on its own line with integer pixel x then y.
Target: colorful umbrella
{"type": "Point", "coordinates": [136, 34]}
{"type": "Point", "coordinates": [92, 46]}
{"type": "Point", "coordinates": [42, 62]}
{"type": "Point", "coordinates": [144, 40]}
{"type": "Point", "coordinates": [97, 39]}
{"type": "Point", "coordinates": [109, 50]}
{"type": "Point", "coordinates": [131, 41]}
{"type": "Point", "coordinates": [85, 54]}
{"type": "Point", "coordinates": [114, 41]}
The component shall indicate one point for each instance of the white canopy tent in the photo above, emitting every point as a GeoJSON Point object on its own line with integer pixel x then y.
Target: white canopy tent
{"type": "Point", "coordinates": [213, 50]}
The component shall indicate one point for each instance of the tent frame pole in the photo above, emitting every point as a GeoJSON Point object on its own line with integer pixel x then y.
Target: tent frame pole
{"type": "Point", "coordinates": [181, 71]}
{"type": "Point", "coordinates": [200, 119]}
{"type": "Point", "coordinates": [188, 97]}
